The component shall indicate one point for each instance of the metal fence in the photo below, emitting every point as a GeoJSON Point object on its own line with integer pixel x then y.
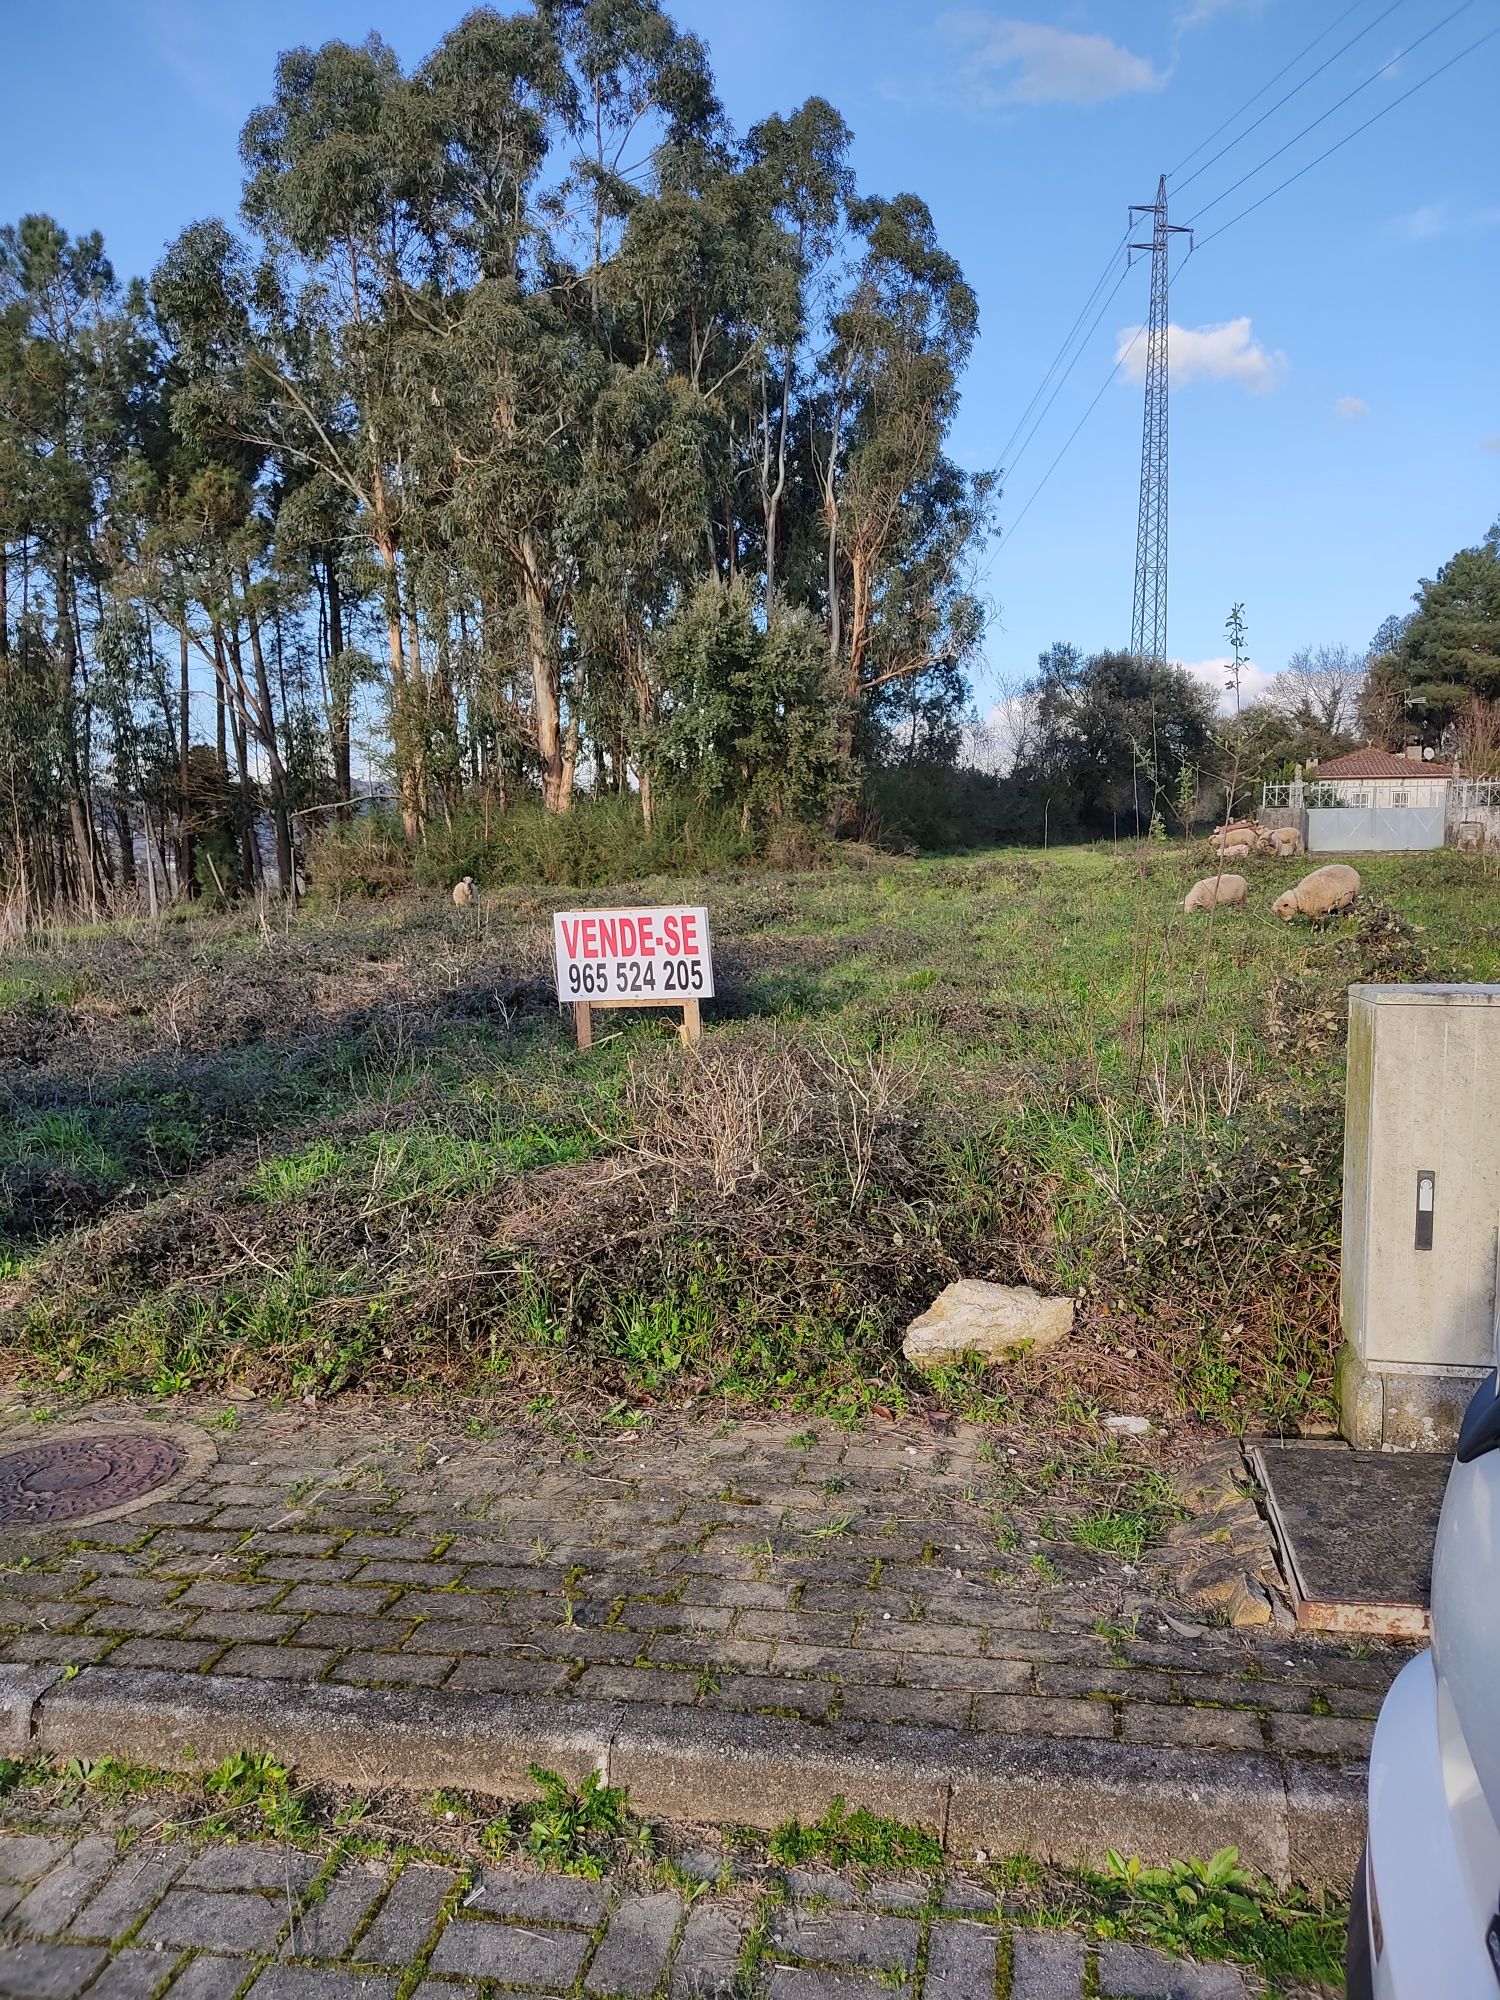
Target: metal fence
{"type": "Point", "coordinates": [1384, 795]}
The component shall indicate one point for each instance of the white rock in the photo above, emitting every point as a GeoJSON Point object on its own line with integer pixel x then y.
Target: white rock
{"type": "Point", "coordinates": [1129, 1427]}
{"type": "Point", "coordinates": [973, 1317]}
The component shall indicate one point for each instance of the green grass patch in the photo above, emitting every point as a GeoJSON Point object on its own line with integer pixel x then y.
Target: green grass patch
{"type": "Point", "coordinates": [858, 1839]}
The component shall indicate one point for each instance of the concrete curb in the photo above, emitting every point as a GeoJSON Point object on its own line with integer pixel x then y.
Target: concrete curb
{"type": "Point", "coordinates": [1059, 1800]}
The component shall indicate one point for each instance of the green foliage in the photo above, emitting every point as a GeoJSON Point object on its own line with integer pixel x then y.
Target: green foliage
{"type": "Point", "coordinates": [1217, 1909]}
{"type": "Point", "coordinates": [858, 1839]}
{"type": "Point", "coordinates": [1446, 654]}
{"type": "Point", "coordinates": [575, 1831]}
{"type": "Point", "coordinates": [294, 1174]}
{"type": "Point", "coordinates": [751, 717]}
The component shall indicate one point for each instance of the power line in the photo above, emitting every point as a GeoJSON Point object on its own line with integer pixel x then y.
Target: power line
{"type": "Point", "coordinates": [1062, 379]}
{"type": "Point", "coordinates": [1337, 21]}
{"type": "Point", "coordinates": [1462, 8]}
{"type": "Point", "coordinates": [1203, 242]}
{"type": "Point", "coordinates": [1374, 119]}
{"type": "Point", "coordinates": [1062, 350]}
{"type": "Point", "coordinates": [1293, 92]}
{"type": "Point", "coordinates": [1148, 615]}
{"type": "Point", "coordinates": [1125, 353]}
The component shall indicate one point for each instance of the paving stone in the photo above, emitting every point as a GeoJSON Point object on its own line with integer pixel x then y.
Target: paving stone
{"type": "Point", "coordinates": [1130, 1972]}
{"type": "Point", "coordinates": [752, 1692]}
{"type": "Point", "coordinates": [708, 1956]}
{"type": "Point", "coordinates": [251, 1625]}
{"type": "Point", "coordinates": [899, 1892]}
{"type": "Point", "coordinates": [175, 1655]}
{"type": "Point", "coordinates": [134, 1885]}
{"type": "Point", "coordinates": [130, 1975]}
{"type": "Point", "coordinates": [52, 1905]}
{"type": "Point", "coordinates": [396, 1669]}
{"type": "Point", "coordinates": [67, 1649]}
{"type": "Point", "coordinates": [1320, 1735]}
{"type": "Point", "coordinates": [24, 1856]}
{"type": "Point", "coordinates": [960, 1962]}
{"type": "Point", "coordinates": [929, 1707]}
{"type": "Point", "coordinates": [1034, 1715]}
{"type": "Point", "coordinates": [1045, 1965]}
{"type": "Point", "coordinates": [150, 1622]}
{"type": "Point", "coordinates": [551, 1899]}
{"type": "Point", "coordinates": [46, 1971]}
{"type": "Point", "coordinates": [327, 1929]}
{"type": "Point", "coordinates": [807, 1885]}
{"type": "Point", "coordinates": [407, 1916]}
{"type": "Point", "coordinates": [1193, 1728]}
{"type": "Point", "coordinates": [252, 1865]}
{"type": "Point", "coordinates": [340, 1597]}
{"type": "Point", "coordinates": [246, 1922]}
{"type": "Point", "coordinates": [130, 1589]}
{"type": "Point", "coordinates": [662, 1686]}
{"type": "Point", "coordinates": [293, 1982]}
{"type": "Point", "coordinates": [851, 1938]}
{"type": "Point", "coordinates": [281, 1663]}
{"type": "Point", "coordinates": [210, 1595]}
{"type": "Point", "coordinates": [633, 1955]}
{"type": "Point", "coordinates": [972, 1676]}
{"type": "Point", "coordinates": [208, 1977]}
{"type": "Point", "coordinates": [415, 1575]}
{"type": "Point", "coordinates": [511, 1953]}
{"type": "Point", "coordinates": [794, 1982]}
{"type": "Point", "coordinates": [510, 1676]}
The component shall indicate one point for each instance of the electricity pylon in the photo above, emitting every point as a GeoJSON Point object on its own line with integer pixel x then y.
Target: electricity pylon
{"type": "Point", "coordinates": [1148, 617]}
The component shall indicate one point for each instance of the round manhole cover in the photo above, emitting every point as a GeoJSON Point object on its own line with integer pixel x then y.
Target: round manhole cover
{"type": "Point", "coordinates": [66, 1479]}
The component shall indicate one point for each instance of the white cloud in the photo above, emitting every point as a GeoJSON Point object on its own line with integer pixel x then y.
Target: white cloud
{"type": "Point", "coordinates": [1490, 443]}
{"type": "Point", "coordinates": [1209, 10]}
{"type": "Point", "coordinates": [1224, 353]}
{"type": "Point", "coordinates": [1027, 62]}
{"type": "Point", "coordinates": [1348, 408]}
{"type": "Point", "coordinates": [1443, 218]}
{"type": "Point", "coordinates": [1214, 673]}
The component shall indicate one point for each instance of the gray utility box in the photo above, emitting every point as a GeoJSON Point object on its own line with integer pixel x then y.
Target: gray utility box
{"type": "Point", "coordinates": [1421, 1210]}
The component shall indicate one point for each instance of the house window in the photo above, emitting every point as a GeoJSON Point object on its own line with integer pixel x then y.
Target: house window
{"type": "Point", "coordinates": [1398, 798]}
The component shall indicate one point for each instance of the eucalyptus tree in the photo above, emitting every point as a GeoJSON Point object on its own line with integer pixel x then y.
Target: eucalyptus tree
{"type": "Point", "coordinates": [898, 518]}
{"type": "Point", "coordinates": [71, 363]}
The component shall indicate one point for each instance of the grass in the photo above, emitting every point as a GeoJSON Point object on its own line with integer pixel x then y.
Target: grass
{"type": "Point", "coordinates": [362, 1151]}
{"type": "Point", "coordinates": [1215, 1909]}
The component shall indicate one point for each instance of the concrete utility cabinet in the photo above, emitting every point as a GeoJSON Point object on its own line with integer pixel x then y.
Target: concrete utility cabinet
{"type": "Point", "coordinates": [1421, 1210]}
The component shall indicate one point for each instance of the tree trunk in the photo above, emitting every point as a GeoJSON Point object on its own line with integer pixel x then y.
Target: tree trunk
{"type": "Point", "coordinates": [546, 693]}
{"type": "Point", "coordinates": [339, 691]}
{"type": "Point", "coordinates": [185, 883]}
{"type": "Point", "coordinates": [263, 719]}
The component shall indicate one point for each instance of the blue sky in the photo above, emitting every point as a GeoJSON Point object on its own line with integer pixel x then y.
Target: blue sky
{"type": "Point", "coordinates": [1336, 410]}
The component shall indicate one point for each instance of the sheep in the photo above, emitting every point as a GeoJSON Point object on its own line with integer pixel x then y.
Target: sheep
{"type": "Point", "coordinates": [1319, 894]}
{"type": "Point", "coordinates": [1285, 840]}
{"type": "Point", "coordinates": [1236, 850]}
{"type": "Point", "coordinates": [1227, 891]}
{"type": "Point", "coordinates": [466, 893]}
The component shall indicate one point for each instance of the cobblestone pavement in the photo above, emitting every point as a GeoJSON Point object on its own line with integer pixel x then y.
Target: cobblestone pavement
{"type": "Point", "coordinates": [895, 1575]}
{"type": "Point", "coordinates": [89, 1917]}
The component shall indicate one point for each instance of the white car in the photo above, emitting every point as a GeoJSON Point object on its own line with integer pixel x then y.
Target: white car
{"type": "Point", "coordinates": [1425, 1918]}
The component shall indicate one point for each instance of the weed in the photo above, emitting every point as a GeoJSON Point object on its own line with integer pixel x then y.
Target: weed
{"type": "Point", "coordinates": [858, 1839]}
{"type": "Point", "coordinates": [574, 1831]}
{"type": "Point", "coordinates": [1217, 1909]}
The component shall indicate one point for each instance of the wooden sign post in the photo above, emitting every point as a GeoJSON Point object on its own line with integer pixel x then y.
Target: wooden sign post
{"type": "Point", "coordinates": [633, 958]}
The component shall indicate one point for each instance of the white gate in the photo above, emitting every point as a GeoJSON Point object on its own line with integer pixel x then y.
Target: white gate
{"type": "Point", "coordinates": [1373, 829]}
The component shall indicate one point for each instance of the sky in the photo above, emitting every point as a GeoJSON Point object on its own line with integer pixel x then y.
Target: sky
{"type": "Point", "coordinates": [1335, 401]}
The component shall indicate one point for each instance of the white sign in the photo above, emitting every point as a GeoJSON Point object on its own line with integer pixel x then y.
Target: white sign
{"type": "Point", "coordinates": [652, 957]}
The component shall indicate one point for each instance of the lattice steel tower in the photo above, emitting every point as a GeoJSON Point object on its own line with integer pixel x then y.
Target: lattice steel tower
{"type": "Point", "coordinates": [1148, 617]}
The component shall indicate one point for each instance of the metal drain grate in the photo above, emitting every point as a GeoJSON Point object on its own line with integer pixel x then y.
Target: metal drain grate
{"type": "Point", "coordinates": [68, 1479]}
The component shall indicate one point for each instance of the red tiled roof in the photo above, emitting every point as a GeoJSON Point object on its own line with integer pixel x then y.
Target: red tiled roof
{"type": "Point", "coordinates": [1381, 764]}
